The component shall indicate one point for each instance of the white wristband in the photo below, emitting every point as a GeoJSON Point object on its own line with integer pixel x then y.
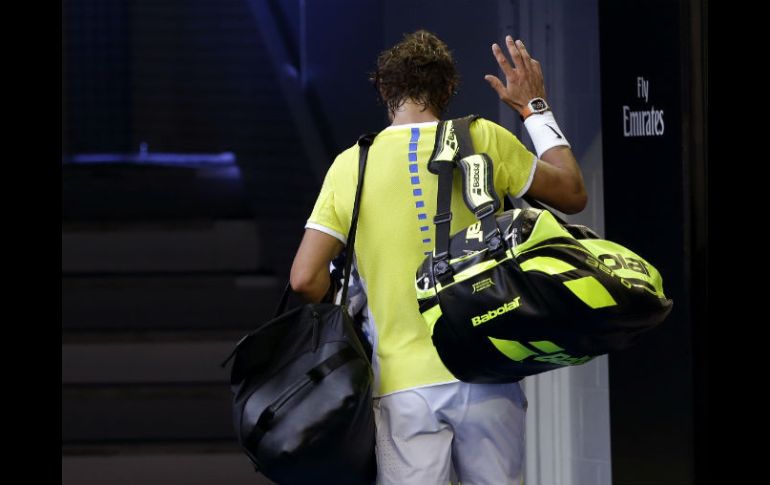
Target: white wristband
{"type": "Point", "coordinates": [544, 131]}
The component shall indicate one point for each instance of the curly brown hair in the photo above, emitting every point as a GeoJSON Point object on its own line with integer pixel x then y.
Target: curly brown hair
{"type": "Point", "coordinates": [420, 68]}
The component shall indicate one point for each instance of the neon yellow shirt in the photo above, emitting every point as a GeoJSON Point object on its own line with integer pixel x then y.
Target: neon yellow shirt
{"type": "Point", "coordinates": [395, 232]}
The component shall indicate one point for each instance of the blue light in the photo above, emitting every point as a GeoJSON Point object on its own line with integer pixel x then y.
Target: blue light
{"type": "Point", "coordinates": [145, 158]}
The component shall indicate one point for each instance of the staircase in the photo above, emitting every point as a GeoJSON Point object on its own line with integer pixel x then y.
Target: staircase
{"type": "Point", "coordinates": [149, 311]}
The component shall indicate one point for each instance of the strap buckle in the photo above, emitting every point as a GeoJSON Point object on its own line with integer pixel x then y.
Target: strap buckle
{"type": "Point", "coordinates": [442, 272]}
{"type": "Point", "coordinates": [485, 210]}
{"type": "Point", "coordinates": [442, 218]}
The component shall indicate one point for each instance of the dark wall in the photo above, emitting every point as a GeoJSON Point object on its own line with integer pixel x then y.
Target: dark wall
{"type": "Point", "coordinates": [468, 28]}
{"type": "Point", "coordinates": [649, 207]}
{"type": "Point", "coordinates": [342, 39]}
{"type": "Point", "coordinates": [197, 76]}
{"type": "Point", "coordinates": [183, 77]}
{"type": "Point", "coordinates": [180, 75]}
{"type": "Point", "coordinates": [96, 71]}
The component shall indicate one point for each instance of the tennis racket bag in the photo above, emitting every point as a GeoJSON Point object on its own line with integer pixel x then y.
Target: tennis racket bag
{"type": "Point", "coordinates": [521, 292]}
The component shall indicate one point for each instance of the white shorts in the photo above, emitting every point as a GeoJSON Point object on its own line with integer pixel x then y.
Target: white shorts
{"type": "Point", "coordinates": [476, 428]}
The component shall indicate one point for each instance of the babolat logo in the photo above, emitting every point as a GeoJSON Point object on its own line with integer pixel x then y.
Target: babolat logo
{"type": "Point", "coordinates": [449, 146]}
{"type": "Point", "coordinates": [617, 261]}
{"type": "Point", "coordinates": [511, 305]}
{"type": "Point", "coordinates": [627, 263]}
{"type": "Point", "coordinates": [474, 232]}
{"type": "Point", "coordinates": [563, 359]}
{"type": "Point", "coordinates": [476, 185]}
{"type": "Point", "coordinates": [483, 285]}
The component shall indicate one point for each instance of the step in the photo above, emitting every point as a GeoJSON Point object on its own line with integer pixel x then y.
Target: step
{"type": "Point", "coordinates": [98, 414]}
{"type": "Point", "coordinates": [160, 464]}
{"type": "Point", "coordinates": [163, 246]}
{"type": "Point", "coordinates": [217, 301]}
{"type": "Point", "coordinates": [149, 361]}
{"type": "Point", "coordinates": [128, 192]}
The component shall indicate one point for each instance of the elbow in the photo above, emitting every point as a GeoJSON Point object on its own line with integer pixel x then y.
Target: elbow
{"type": "Point", "coordinates": [301, 281]}
{"type": "Point", "coordinates": [310, 286]}
{"type": "Point", "coordinates": [577, 203]}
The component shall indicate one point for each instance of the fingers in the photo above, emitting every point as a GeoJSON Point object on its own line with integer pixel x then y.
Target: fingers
{"type": "Point", "coordinates": [537, 68]}
{"type": "Point", "coordinates": [502, 61]}
{"type": "Point", "coordinates": [513, 50]}
{"type": "Point", "coordinates": [524, 54]}
{"type": "Point", "coordinates": [521, 68]}
{"type": "Point", "coordinates": [496, 84]}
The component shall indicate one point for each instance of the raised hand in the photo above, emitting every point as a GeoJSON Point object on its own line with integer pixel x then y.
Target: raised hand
{"type": "Point", "coordinates": [523, 77]}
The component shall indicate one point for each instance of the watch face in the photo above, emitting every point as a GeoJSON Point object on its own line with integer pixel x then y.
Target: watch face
{"type": "Point", "coordinates": [538, 105]}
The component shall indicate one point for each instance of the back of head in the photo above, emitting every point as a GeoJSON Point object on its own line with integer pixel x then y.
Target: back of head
{"type": "Point", "coordinates": [419, 68]}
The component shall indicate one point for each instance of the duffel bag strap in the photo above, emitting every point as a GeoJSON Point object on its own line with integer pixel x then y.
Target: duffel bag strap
{"type": "Point", "coordinates": [364, 142]}
{"type": "Point", "coordinates": [480, 196]}
{"type": "Point", "coordinates": [453, 141]}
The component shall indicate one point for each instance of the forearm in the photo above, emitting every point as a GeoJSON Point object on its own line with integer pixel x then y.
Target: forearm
{"type": "Point", "coordinates": [310, 270]}
{"type": "Point", "coordinates": [555, 154]}
{"type": "Point", "coordinates": [563, 159]}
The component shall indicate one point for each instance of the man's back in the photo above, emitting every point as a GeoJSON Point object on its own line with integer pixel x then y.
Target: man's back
{"type": "Point", "coordinates": [396, 231]}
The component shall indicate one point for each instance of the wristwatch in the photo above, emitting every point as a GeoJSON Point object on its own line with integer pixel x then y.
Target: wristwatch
{"type": "Point", "coordinates": [535, 105]}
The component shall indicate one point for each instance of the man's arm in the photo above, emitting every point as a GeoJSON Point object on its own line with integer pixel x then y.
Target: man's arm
{"type": "Point", "coordinates": [310, 270]}
{"type": "Point", "coordinates": [558, 181]}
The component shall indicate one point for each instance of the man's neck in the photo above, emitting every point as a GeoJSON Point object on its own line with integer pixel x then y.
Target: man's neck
{"type": "Point", "coordinates": [411, 112]}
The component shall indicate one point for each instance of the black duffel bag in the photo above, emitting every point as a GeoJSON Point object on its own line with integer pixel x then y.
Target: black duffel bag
{"type": "Point", "coordinates": [522, 292]}
{"type": "Point", "coordinates": [302, 386]}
